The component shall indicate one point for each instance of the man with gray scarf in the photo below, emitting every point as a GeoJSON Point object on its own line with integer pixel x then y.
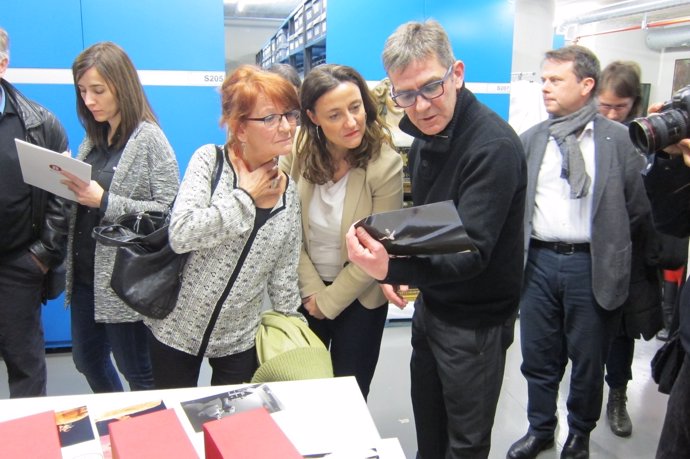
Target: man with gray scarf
{"type": "Point", "coordinates": [584, 198]}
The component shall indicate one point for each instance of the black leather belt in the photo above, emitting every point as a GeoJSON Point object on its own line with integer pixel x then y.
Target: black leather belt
{"type": "Point", "coordinates": [563, 248]}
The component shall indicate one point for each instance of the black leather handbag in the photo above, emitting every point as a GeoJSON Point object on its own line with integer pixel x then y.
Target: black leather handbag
{"type": "Point", "coordinates": [420, 230]}
{"type": "Point", "coordinates": [147, 274]}
{"type": "Point", "coordinates": [666, 363]}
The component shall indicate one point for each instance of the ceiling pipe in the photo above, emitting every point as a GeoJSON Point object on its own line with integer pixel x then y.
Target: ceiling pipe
{"type": "Point", "coordinates": [669, 37]}
{"type": "Point", "coordinates": [623, 9]}
{"type": "Point", "coordinates": [649, 27]}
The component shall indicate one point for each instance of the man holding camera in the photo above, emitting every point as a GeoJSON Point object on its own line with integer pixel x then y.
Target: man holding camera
{"type": "Point", "coordinates": [667, 179]}
{"type": "Point", "coordinates": [584, 197]}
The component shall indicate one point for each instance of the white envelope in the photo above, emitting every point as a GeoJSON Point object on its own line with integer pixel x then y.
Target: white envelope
{"type": "Point", "coordinates": [41, 168]}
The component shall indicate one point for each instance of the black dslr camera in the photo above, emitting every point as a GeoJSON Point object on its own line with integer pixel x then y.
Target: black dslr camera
{"type": "Point", "coordinates": [659, 130]}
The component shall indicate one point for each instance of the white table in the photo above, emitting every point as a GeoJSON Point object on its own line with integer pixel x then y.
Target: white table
{"type": "Point", "coordinates": [318, 416]}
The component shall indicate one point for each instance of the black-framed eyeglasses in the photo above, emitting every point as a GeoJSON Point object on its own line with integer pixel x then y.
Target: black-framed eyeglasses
{"type": "Point", "coordinates": [429, 91]}
{"type": "Point", "coordinates": [273, 120]}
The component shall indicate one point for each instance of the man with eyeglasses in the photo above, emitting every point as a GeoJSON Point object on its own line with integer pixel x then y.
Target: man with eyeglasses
{"type": "Point", "coordinates": [585, 198]}
{"type": "Point", "coordinates": [619, 95]}
{"type": "Point", "coordinates": [465, 315]}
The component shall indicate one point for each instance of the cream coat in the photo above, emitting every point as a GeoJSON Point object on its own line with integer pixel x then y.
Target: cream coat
{"type": "Point", "coordinates": [379, 188]}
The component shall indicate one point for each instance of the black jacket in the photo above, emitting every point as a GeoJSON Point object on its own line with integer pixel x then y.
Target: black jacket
{"type": "Point", "coordinates": [479, 163]}
{"type": "Point", "coordinates": [49, 221]}
{"type": "Point", "coordinates": [668, 189]}
{"type": "Point", "coordinates": [642, 310]}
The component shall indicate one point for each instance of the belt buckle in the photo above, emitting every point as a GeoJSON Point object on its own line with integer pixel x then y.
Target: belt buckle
{"type": "Point", "coordinates": [565, 248]}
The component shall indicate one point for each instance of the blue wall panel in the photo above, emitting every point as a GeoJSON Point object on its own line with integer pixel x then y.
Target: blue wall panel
{"type": "Point", "coordinates": [46, 35]}
{"type": "Point", "coordinates": [56, 324]}
{"type": "Point", "coordinates": [357, 31]}
{"type": "Point", "coordinates": [160, 34]}
{"type": "Point", "coordinates": [500, 103]}
{"type": "Point", "coordinates": [481, 34]}
{"type": "Point", "coordinates": [169, 35]}
{"type": "Point", "coordinates": [189, 117]}
{"type": "Point", "coordinates": [43, 34]}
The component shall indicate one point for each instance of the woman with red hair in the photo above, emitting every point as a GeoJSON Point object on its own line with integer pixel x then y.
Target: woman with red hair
{"type": "Point", "coordinates": [243, 237]}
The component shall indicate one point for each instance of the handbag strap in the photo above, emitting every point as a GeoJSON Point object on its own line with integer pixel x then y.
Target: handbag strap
{"type": "Point", "coordinates": [115, 235]}
{"type": "Point", "coordinates": [218, 171]}
{"type": "Point", "coordinates": [219, 167]}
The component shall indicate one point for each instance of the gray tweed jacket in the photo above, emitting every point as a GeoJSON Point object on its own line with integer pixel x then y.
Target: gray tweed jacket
{"type": "Point", "coordinates": [618, 200]}
{"type": "Point", "coordinates": [146, 178]}
{"type": "Point", "coordinates": [216, 229]}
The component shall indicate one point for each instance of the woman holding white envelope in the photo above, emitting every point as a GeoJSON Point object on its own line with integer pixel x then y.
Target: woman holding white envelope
{"type": "Point", "coordinates": [133, 168]}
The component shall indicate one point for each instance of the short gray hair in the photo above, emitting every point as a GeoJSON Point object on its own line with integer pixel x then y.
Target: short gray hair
{"type": "Point", "coordinates": [415, 41]}
{"type": "Point", "coordinates": [4, 44]}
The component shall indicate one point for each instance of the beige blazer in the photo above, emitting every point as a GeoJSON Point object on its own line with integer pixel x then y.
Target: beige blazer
{"type": "Point", "coordinates": [378, 188]}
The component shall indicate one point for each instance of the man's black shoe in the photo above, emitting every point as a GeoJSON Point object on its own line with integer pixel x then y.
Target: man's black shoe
{"type": "Point", "coordinates": [576, 447]}
{"type": "Point", "coordinates": [528, 447]}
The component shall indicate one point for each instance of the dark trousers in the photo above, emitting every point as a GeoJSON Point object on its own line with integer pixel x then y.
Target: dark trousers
{"type": "Point", "coordinates": [93, 342]}
{"type": "Point", "coordinates": [174, 369]}
{"type": "Point", "coordinates": [456, 377]}
{"type": "Point", "coordinates": [619, 361]}
{"type": "Point", "coordinates": [674, 441]}
{"type": "Point", "coordinates": [21, 332]}
{"type": "Point", "coordinates": [354, 338]}
{"type": "Point", "coordinates": [560, 320]}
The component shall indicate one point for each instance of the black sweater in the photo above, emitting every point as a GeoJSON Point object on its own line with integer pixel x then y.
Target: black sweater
{"type": "Point", "coordinates": [479, 163]}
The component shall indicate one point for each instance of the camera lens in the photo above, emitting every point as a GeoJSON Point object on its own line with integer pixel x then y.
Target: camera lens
{"type": "Point", "coordinates": [658, 130]}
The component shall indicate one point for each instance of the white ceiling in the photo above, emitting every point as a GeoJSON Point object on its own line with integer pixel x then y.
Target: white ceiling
{"type": "Point", "coordinates": [264, 9]}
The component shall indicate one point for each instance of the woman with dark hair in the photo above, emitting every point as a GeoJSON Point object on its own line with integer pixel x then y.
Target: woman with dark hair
{"type": "Point", "coordinates": [619, 98]}
{"type": "Point", "coordinates": [619, 91]}
{"type": "Point", "coordinates": [345, 169]}
{"type": "Point", "coordinates": [133, 168]}
{"type": "Point", "coordinates": [243, 238]}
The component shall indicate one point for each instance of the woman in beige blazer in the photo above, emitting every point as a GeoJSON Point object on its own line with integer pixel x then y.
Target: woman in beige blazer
{"type": "Point", "coordinates": [345, 169]}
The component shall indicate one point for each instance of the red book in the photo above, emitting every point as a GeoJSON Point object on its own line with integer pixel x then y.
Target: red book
{"type": "Point", "coordinates": [247, 435]}
{"type": "Point", "coordinates": [31, 436]}
{"type": "Point", "coordinates": [157, 435]}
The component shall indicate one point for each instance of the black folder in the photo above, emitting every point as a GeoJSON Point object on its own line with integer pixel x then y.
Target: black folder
{"type": "Point", "coordinates": [420, 230]}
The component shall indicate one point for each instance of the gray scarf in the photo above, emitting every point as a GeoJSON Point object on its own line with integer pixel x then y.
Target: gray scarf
{"type": "Point", "coordinates": [565, 130]}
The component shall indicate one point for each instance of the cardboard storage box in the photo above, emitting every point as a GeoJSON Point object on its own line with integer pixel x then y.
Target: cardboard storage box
{"type": "Point", "coordinates": [157, 435]}
{"type": "Point", "coordinates": [30, 436]}
{"type": "Point", "coordinates": [247, 435]}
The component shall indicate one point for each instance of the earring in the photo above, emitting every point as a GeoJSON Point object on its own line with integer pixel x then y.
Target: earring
{"type": "Point", "coordinates": [318, 136]}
